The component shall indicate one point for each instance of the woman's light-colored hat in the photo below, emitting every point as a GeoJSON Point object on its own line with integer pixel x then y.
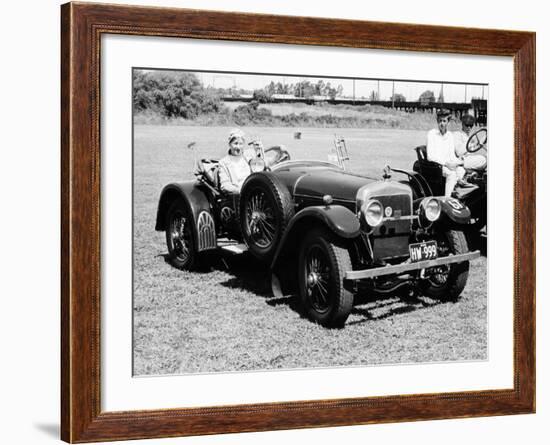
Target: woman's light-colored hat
{"type": "Point", "coordinates": [236, 133]}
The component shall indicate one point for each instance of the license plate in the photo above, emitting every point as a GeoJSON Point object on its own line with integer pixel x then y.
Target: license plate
{"type": "Point", "coordinates": [423, 251]}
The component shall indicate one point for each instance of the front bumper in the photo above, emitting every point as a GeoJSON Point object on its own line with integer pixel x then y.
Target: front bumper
{"type": "Point", "coordinates": [399, 269]}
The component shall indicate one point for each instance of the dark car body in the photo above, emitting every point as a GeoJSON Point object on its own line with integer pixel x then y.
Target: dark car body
{"type": "Point", "coordinates": [325, 199]}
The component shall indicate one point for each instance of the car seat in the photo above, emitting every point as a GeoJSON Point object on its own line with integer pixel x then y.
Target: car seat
{"type": "Point", "coordinates": [430, 171]}
{"type": "Point", "coordinates": [209, 169]}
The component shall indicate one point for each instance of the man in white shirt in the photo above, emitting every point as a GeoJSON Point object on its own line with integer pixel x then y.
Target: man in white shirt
{"type": "Point", "coordinates": [440, 148]}
{"type": "Point", "coordinates": [472, 161]}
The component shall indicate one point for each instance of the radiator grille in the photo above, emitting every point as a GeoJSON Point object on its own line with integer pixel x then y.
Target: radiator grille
{"type": "Point", "coordinates": [391, 238]}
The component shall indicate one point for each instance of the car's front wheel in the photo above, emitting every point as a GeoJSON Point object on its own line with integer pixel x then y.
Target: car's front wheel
{"type": "Point", "coordinates": [322, 264]}
{"type": "Point", "coordinates": [179, 237]}
{"type": "Point", "coordinates": [447, 282]}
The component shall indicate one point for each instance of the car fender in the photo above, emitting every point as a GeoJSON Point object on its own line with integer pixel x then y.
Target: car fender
{"type": "Point", "coordinates": [338, 219]}
{"type": "Point", "coordinates": [454, 211]}
{"type": "Point", "coordinates": [198, 205]}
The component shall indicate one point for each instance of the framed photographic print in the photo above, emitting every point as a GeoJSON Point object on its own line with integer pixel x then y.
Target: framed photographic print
{"type": "Point", "coordinates": [278, 222]}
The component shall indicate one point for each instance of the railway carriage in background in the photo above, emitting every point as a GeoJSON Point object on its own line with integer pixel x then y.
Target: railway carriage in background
{"type": "Point", "coordinates": [324, 232]}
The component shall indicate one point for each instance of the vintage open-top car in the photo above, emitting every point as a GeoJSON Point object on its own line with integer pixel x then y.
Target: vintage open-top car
{"type": "Point", "coordinates": [474, 194]}
{"type": "Point", "coordinates": [325, 233]}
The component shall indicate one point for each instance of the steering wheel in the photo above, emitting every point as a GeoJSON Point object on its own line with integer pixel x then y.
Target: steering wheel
{"type": "Point", "coordinates": [270, 157]}
{"type": "Point", "coordinates": [477, 141]}
{"type": "Point", "coordinates": [276, 154]}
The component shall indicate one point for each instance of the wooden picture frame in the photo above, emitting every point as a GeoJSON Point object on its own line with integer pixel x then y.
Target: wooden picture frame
{"type": "Point", "coordinates": [82, 26]}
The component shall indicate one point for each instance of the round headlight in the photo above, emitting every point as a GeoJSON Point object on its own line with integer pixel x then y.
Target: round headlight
{"type": "Point", "coordinates": [432, 209]}
{"type": "Point", "coordinates": [373, 212]}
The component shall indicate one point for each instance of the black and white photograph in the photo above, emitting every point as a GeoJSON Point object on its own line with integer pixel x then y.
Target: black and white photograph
{"type": "Point", "coordinates": [273, 222]}
{"type": "Point", "coordinates": [292, 222]}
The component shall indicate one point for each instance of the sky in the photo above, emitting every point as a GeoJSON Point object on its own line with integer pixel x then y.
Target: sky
{"type": "Point", "coordinates": [363, 87]}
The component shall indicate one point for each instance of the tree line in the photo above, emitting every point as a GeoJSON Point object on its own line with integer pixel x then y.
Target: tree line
{"type": "Point", "coordinates": [179, 94]}
{"type": "Point", "coordinates": [302, 89]}
{"type": "Point", "coordinates": [174, 94]}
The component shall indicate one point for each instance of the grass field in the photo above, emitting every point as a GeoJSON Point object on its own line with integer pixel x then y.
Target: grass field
{"type": "Point", "coordinates": [225, 319]}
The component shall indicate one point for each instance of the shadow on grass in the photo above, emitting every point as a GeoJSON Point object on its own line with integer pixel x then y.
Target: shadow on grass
{"type": "Point", "coordinates": [248, 274]}
{"type": "Point", "coordinates": [381, 308]}
{"type": "Point", "coordinates": [254, 276]}
{"type": "Point", "coordinates": [292, 301]}
{"type": "Point", "coordinates": [207, 264]}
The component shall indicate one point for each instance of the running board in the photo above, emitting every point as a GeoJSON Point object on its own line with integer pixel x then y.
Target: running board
{"type": "Point", "coordinates": [234, 248]}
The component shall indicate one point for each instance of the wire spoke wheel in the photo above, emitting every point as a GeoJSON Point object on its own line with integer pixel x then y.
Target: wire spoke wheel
{"type": "Point", "coordinates": [438, 276]}
{"type": "Point", "coordinates": [448, 281]}
{"type": "Point", "coordinates": [179, 237]}
{"type": "Point", "coordinates": [265, 209]}
{"type": "Point", "coordinates": [322, 264]}
{"type": "Point", "coordinates": [260, 219]}
{"type": "Point", "coordinates": [317, 279]}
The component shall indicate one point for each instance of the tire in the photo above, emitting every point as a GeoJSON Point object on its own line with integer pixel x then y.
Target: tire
{"type": "Point", "coordinates": [448, 286]}
{"type": "Point", "coordinates": [180, 238]}
{"type": "Point", "coordinates": [265, 209]}
{"type": "Point", "coordinates": [322, 265]}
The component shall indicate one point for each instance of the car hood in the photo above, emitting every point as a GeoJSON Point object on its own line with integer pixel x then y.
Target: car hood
{"type": "Point", "coordinates": [320, 180]}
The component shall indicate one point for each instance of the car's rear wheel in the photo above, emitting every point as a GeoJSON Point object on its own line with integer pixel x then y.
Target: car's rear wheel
{"type": "Point", "coordinates": [448, 281]}
{"type": "Point", "coordinates": [322, 265]}
{"type": "Point", "coordinates": [182, 253]}
{"type": "Point", "coordinates": [266, 207]}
